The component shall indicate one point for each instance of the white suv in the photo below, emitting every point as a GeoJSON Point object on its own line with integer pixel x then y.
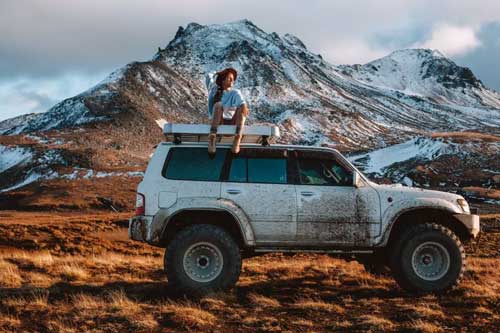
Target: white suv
{"type": "Point", "coordinates": [210, 211]}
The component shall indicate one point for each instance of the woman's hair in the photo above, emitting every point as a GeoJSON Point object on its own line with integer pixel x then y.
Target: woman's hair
{"type": "Point", "coordinates": [218, 94]}
{"type": "Point", "coordinates": [221, 76]}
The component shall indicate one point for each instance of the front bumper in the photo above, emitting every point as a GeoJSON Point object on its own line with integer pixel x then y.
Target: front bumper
{"type": "Point", "coordinates": [471, 222]}
{"type": "Point", "coordinates": [138, 228]}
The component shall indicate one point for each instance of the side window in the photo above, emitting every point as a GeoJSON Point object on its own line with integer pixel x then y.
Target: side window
{"type": "Point", "coordinates": [323, 172]}
{"type": "Point", "coordinates": [238, 170]}
{"type": "Point", "coordinates": [267, 170]}
{"type": "Point", "coordinates": [194, 164]}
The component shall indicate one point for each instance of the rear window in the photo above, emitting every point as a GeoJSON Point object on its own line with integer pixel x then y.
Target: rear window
{"type": "Point", "coordinates": [194, 164]}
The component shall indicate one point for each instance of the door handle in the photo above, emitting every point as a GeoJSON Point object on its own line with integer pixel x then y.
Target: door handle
{"type": "Point", "coordinates": [307, 193]}
{"type": "Point", "coordinates": [231, 191]}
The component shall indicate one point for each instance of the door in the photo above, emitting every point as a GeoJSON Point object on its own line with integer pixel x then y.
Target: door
{"type": "Point", "coordinates": [330, 209]}
{"type": "Point", "coordinates": [257, 181]}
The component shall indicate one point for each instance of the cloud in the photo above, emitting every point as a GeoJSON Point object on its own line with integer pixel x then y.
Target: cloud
{"type": "Point", "coordinates": [483, 61]}
{"type": "Point", "coordinates": [33, 95]}
{"type": "Point", "coordinates": [452, 40]}
{"type": "Point", "coordinates": [343, 52]}
{"type": "Point", "coordinates": [47, 40]}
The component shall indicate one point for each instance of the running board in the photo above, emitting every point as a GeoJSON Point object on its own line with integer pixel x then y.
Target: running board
{"type": "Point", "coordinates": [309, 250]}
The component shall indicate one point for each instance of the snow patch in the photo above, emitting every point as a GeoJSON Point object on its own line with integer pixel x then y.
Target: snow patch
{"type": "Point", "coordinates": [420, 147]}
{"type": "Point", "coordinates": [79, 173]}
{"type": "Point", "coordinates": [10, 157]}
{"type": "Point", "coordinates": [32, 177]}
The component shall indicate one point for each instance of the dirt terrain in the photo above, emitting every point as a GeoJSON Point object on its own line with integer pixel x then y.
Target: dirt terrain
{"type": "Point", "coordinates": [73, 271]}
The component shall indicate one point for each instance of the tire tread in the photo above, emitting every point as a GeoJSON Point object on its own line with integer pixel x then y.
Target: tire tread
{"type": "Point", "coordinates": [411, 232]}
{"type": "Point", "coordinates": [175, 279]}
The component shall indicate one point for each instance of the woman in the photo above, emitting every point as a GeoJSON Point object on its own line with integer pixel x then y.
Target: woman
{"type": "Point", "coordinates": [225, 106]}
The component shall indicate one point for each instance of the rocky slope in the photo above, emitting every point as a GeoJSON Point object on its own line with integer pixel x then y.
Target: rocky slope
{"type": "Point", "coordinates": [355, 108]}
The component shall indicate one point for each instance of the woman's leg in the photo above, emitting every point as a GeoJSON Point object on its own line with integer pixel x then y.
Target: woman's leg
{"type": "Point", "coordinates": [240, 115]}
{"type": "Point", "coordinates": [217, 116]}
{"type": "Point", "coordinates": [216, 121]}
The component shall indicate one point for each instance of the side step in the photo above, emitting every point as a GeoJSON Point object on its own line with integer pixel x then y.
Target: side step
{"type": "Point", "coordinates": [311, 250]}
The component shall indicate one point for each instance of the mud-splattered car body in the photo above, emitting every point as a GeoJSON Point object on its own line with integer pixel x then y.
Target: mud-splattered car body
{"type": "Point", "coordinates": [209, 211]}
{"type": "Point", "coordinates": [291, 213]}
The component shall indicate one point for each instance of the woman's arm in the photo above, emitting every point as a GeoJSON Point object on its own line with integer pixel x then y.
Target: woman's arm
{"type": "Point", "coordinates": [243, 108]}
{"type": "Point", "coordinates": [210, 80]}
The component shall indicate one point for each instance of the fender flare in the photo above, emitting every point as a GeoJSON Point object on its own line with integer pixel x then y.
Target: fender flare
{"type": "Point", "coordinates": [164, 215]}
{"type": "Point", "coordinates": [393, 213]}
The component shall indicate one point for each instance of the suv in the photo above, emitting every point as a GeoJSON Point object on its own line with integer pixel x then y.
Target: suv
{"type": "Point", "coordinates": [210, 211]}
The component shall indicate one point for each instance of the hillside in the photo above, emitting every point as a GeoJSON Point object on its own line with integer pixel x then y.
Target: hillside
{"type": "Point", "coordinates": [110, 129]}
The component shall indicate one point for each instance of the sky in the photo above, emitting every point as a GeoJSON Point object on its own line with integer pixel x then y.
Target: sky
{"type": "Point", "coordinates": [55, 49]}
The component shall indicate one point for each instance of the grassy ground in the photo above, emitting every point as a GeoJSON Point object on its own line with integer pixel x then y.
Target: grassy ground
{"type": "Point", "coordinates": [67, 272]}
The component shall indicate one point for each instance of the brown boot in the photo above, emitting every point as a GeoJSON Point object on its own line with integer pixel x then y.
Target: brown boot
{"type": "Point", "coordinates": [212, 137]}
{"type": "Point", "coordinates": [236, 144]}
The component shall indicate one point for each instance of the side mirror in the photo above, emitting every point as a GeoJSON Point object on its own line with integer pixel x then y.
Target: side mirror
{"type": "Point", "coordinates": [356, 180]}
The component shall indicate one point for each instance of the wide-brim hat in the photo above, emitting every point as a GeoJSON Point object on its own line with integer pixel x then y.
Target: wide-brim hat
{"type": "Point", "coordinates": [224, 72]}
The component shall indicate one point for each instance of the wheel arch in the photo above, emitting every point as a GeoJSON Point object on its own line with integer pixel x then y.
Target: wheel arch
{"type": "Point", "coordinates": [224, 218]}
{"type": "Point", "coordinates": [420, 215]}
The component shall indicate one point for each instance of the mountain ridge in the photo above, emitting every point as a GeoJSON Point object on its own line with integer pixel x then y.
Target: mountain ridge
{"type": "Point", "coordinates": [272, 66]}
{"type": "Point", "coordinates": [354, 108]}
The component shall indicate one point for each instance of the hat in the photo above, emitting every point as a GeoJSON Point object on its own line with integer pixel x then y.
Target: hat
{"type": "Point", "coordinates": [222, 74]}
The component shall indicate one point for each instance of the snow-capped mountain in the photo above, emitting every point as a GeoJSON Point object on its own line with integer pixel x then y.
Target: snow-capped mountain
{"type": "Point", "coordinates": [354, 108]}
{"type": "Point", "coordinates": [389, 99]}
{"type": "Point", "coordinates": [426, 74]}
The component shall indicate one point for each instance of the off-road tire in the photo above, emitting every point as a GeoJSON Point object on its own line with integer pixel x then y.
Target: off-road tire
{"type": "Point", "coordinates": [212, 236]}
{"type": "Point", "coordinates": [403, 257]}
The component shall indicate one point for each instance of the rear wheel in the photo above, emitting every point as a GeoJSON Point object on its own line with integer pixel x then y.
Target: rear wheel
{"type": "Point", "coordinates": [428, 258]}
{"type": "Point", "coordinates": [202, 258]}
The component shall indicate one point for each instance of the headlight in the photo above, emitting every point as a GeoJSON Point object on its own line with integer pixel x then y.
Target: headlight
{"type": "Point", "coordinates": [464, 205]}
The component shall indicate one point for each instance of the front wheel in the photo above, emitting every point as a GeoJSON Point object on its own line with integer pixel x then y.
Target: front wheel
{"type": "Point", "coordinates": [202, 258]}
{"type": "Point", "coordinates": [428, 258]}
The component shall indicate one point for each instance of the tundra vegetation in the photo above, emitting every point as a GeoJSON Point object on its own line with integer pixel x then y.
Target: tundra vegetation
{"type": "Point", "coordinates": [72, 272]}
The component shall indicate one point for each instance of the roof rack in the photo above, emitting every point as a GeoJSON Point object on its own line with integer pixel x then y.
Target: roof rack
{"type": "Point", "coordinates": [178, 133]}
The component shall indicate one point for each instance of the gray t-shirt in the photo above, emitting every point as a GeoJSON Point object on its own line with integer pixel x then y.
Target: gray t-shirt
{"type": "Point", "coordinates": [231, 99]}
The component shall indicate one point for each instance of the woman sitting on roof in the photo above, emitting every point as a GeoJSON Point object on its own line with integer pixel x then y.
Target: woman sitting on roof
{"type": "Point", "coordinates": [225, 106]}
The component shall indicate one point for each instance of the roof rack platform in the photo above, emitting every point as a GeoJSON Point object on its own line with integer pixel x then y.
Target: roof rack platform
{"type": "Point", "coordinates": [178, 133]}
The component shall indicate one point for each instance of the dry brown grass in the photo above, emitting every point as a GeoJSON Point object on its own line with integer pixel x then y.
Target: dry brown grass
{"type": "Point", "coordinates": [86, 302]}
{"type": "Point", "coordinates": [467, 136]}
{"type": "Point", "coordinates": [424, 310]}
{"type": "Point", "coordinates": [374, 322]}
{"type": "Point", "coordinates": [263, 301]}
{"type": "Point", "coordinates": [37, 300]}
{"type": "Point", "coordinates": [9, 275]}
{"type": "Point", "coordinates": [119, 301]}
{"type": "Point", "coordinates": [296, 309]}
{"type": "Point", "coordinates": [62, 326]}
{"type": "Point", "coordinates": [121, 290]}
{"type": "Point", "coordinates": [490, 193]}
{"type": "Point", "coordinates": [9, 323]}
{"type": "Point", "coordinates": [313, 304]}
{"type": "Point", "coordinates": [422, 326]}
{"type": "Point", "coordinates": [73, 272]}
{"type": "Point", "coordinates": [216, 302]}
{"type": "Point", "coordinates": [188, 315]}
